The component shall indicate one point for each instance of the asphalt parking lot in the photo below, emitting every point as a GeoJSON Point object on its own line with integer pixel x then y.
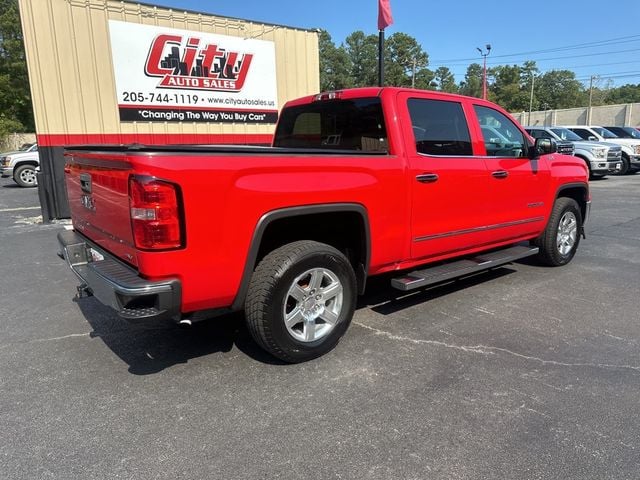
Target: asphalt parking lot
{"type": "Point", "coordinates": [525, 372]}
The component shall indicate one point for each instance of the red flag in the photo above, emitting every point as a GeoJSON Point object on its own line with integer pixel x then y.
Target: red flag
{"type": "Point", "coordinates": [384, 14]}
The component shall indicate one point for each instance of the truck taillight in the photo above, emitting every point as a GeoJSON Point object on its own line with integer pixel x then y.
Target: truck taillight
{"type": "Point", "coordinates": [155, 214]}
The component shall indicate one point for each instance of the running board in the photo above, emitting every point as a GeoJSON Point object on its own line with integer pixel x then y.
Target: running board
{"type": "Point", "coordinates": [461, 268]}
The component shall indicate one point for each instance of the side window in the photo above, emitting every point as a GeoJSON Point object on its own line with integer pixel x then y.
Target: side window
{"type": "Point", "coordinates": [501, 136]}
{"type": "Point", "coordinates": [535, 133]}
{"type": "Point", "coordinates": [540, 134]}
{"type": "Point", "coordinates": [439, 127]}
{"type": "Point", "coordinates": [581, 132]}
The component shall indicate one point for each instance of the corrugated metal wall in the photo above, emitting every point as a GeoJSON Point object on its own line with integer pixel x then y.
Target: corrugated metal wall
{"type": "Point", "coordinates": [74, 93]}
{"type": "Point", "coordinates": [70, 67]}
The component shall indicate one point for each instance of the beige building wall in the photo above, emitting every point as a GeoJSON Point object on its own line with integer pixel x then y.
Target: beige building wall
{"type": "Point", "coordinates": [72, 79]}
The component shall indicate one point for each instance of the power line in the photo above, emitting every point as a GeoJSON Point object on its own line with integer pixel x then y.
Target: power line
{"type": "Point", "coordinates": [605, 76]}
{"type": "Point", "coordinates": [548, 59]}
{"type": "Point", "coordinates": [601, 64]}
{"type": "Point", "coordinates": [601, 43]}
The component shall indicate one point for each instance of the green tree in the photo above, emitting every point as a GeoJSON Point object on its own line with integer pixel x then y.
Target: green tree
{"type": "Point", "coordinates": [472, 83]}
{"type": "Point", "coordinates": [15, 100]}
{"type": "Point", "coordinates": [403, 57]}
{"type": "Point", "coordinates": [445, 80]}
{"type": "Point", "coordinates": [426, 79]}
{"type": "Point", "coordinates": [335, 65]}
{"type": "Point", "coordinates": [509, 87]}
{"type": "Point", "coordinates": [560, 89]}
{"type": "Point", "coordinates": [624, 94]}
{"type": "Point", "coordinates": [362, 51]}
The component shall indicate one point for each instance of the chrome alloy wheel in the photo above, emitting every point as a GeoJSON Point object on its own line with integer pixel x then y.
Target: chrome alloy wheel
{"type": "Point", "coordinates": [567, 233]}
{"type": "Point", "coordinates": [28, 176]}
{"type": "Point", "coordinates": [313, 304]}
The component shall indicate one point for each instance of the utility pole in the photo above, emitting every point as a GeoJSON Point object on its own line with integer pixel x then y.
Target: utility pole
{"type": "Point", "coordinates": [413, 74]}
{"type": "Point", "coordinates": [591, 79]}
{"type": "Point", "coordinates": [533, 81]}
{"type": "Point", "coordinates": [484, 69]}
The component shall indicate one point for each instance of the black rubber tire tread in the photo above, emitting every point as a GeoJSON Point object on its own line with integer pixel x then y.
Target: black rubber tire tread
{"type": "Point", "coordinates": [625, 169]}
{"type": "Point", "coordinates": [263, 289]}
{"type": "Point", "coordinates": [16, 175]}
{"type": "Point", "coordinates": [549, 254]}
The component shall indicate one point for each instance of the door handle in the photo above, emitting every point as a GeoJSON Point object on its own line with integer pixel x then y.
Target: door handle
{"type": "Point", "coordinates": [500, 174]}
{"type": "Point", "coordinates": [427, 178]}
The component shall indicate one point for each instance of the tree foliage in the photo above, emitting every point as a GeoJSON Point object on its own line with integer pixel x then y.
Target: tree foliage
{"type": "Point", "coordinates": [472, 83]}
{"type": "Point", "coordinates": [335, 66]}
{"type": "Point", "coordinates": [444, 80]}
{"type": "Point", "coordinates": [403, 58]}
{"type": "Point", "coordinates": [625, 94]}
{"type": "Point", "coordinates": [362, 51]}
{"type": "Point", "coordinates": [15, 100]}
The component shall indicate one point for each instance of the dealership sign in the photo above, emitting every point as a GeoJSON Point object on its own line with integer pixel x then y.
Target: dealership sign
{"type": "Point", "coordinates": [169, 75]}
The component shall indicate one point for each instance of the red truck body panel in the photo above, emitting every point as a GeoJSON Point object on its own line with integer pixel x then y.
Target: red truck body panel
{"type": "Point", "coordinates": [224, 196]}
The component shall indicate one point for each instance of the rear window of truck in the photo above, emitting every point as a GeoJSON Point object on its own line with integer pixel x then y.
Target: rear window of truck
{"type": "Point", "coordinates": [355, 124]}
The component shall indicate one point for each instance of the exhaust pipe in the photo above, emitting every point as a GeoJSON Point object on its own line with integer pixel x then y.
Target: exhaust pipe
{"type": "Point", "coordinates": [185, 323]}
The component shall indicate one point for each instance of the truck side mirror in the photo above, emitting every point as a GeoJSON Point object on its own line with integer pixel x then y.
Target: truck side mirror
{"type": "Point", "coordinates": [592, 138]}
{"type": "Point", "coordinates": [543, 146]}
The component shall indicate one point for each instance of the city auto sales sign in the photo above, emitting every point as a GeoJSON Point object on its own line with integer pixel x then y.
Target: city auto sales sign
{"type": "Point", "coordinates": [170, 75]}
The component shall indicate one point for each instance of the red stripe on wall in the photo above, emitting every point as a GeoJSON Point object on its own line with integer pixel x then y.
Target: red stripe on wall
{"type": "Point", "coordinates": [60, 140]}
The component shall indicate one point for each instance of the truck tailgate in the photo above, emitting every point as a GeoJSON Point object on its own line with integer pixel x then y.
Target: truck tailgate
{"type": "Point", "coordinates": [98, 191]}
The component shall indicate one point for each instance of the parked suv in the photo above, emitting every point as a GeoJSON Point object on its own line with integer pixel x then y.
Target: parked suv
{"type": "Point", "coordinates": [630, 147]}
{"type": "Point", "coordinates": [21, 165]}
{"type": "Point", "coordinates": [601, 157]}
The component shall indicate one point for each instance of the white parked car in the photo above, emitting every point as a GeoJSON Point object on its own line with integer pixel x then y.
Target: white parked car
{"type": "Point", "coordinates": [21, 165]}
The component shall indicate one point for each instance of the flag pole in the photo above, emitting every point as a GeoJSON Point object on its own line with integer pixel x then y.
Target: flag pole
{"type": "Point", "coordinates": [381, 58]}
{"type": "Point", "coordinates": [384, 20]}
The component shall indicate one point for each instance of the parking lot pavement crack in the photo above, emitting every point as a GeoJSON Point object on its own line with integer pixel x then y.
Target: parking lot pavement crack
{"type": "Point", "coordinates": [478, 349]}
{"type": "Point", "coordinates": [487, 350]}
{"type": "Point", "coordinates": [40, 340]}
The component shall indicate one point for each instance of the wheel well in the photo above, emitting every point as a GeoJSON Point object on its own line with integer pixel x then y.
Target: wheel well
{"type": "Point", "coordinates": [26, 162]}
{"type": "Point", "coordinates": [586, 161]}
{"type": "Point", "coordinates": [579, 195]}
{"type": "Point", "coordinates": [343, 230]}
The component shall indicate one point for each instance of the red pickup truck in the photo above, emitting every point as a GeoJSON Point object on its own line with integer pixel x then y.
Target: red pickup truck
{"type": "Point", "coordinates": [357, 183]}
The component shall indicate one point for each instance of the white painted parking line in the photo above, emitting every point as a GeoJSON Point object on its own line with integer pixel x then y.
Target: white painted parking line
{"type": "Point", "coordinates": [18, 209]}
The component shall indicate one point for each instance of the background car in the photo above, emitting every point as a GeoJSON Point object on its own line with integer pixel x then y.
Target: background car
{"type": "Point", "coordinates": [21, 165]}
{"type": "Point", "coordinates": [630, 146]}
{"type": "Point", "coordinates": [600, 157]}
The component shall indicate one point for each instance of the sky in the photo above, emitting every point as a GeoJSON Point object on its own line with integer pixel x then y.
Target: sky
{"type": "Point", "coordinates": [592, 38]}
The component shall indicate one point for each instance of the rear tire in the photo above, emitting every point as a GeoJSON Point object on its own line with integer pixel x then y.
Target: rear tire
{"type": "Point", "coordinates": [301, 300]}
{"type": "Point", "coordinates": [561, 237]}
{"type": "Point", "coordinates": [25, 176]}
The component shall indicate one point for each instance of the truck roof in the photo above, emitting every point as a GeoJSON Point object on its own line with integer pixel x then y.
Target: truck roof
{"type": "Point", "coordinates": [362, 92]}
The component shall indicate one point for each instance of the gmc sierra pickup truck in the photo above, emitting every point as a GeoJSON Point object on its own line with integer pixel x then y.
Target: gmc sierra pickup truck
{"type": "Point", "coordinates": [357, 183]}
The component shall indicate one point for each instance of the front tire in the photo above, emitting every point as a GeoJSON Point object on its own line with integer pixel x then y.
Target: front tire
{"type": "Point", "coordinates": [25, 176]}
{"type": "Point", "coordinates": [301, 300]}
{"type": "Point", "coordinates": [561, 237]}
{"type": "Point", "coordinates": [625, 168]}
